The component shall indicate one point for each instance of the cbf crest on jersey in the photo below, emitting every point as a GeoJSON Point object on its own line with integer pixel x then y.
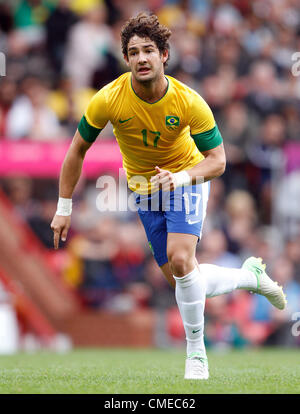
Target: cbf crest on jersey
{"type": "Point", "coordinates": [172, 122]}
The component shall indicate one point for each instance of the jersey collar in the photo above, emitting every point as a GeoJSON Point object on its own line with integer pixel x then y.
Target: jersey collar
{"type": "Point", "coordinates": [142, 100]}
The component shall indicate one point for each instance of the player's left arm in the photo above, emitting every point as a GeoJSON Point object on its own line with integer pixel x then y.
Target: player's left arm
{"type": "Point", "coordinates": [212, 166]}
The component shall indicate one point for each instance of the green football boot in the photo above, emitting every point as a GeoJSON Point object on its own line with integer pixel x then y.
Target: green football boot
{"type": "Point", "coordinates": [265, 285]}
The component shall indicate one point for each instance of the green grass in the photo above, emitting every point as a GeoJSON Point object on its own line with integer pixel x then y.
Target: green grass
{"type": "Point", "coordinates": [121, 371]}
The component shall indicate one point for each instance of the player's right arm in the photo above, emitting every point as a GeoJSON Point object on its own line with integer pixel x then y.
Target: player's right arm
{"type": "Point", "coordinates": [69, 176]}
{"type": "Point", "coordinates": [91, 124]}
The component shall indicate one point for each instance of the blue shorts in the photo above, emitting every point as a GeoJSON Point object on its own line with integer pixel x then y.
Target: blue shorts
{"type": "Point", "coordinates": [179, 211]}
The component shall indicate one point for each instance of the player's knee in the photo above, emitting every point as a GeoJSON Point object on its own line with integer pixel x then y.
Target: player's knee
{"type": "Point", "coordinates": [179, 262]}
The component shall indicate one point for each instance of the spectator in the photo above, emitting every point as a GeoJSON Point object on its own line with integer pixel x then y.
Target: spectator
{"type": "Point", "coordinates": [281, 335]}
{"type": "Point", "coordinates": [88, 42]}
{"type": "Point", "coordinates": [57, 27]}
{"type": "Point", "coordinates": [264, 88]}
{"type": "Point", "coordinates": [241, 219]}
{"type": "Point", "coordinates": [69, 103]}
{"type": "Point", "coordinates": [80, 7]}
{"type": "Point", "coordinates": [215, 215]}
{"type": "Point", "coordinates": [96, 246]}
{"type": "Point", "coordinates": [292, 251]}
{"type": "Point", "coordinates": [288, 213]}
{"type": "Point", "coordinates": [6, 18]}
{"type": "Point", "coordinates": [223, 329]}
{"type": "Point", "coordinates": [8, 93]}
{"type": "Point", "coordinates": [39, 221]}
{"type": "Point", "coordinates": [30, 117]}
{"type": "Point", "coordinates": [31, 13]}
{"type": "Point", "coordinates": [237, 131]}
{"type": "Point", "coordinates": [213, 250]}
{"type": "Point", "coordinates": [29, 19]}
{"type": "Point", "coordinates": [20, 192]}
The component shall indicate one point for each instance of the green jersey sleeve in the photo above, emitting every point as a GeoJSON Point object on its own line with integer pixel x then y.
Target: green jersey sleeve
{"type": "Point", "coordinates": [95, 117]}
{"type": "Point", "coordinates": [204, 129]}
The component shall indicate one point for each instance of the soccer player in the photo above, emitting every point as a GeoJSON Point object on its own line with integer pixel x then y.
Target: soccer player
{"type": "Point", "coordinates": [171, 149]}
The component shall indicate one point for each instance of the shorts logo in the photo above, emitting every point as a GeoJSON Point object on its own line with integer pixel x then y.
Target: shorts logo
{"type": "Point", "coordinates": [172, 122]}
{"type": "Point", "coordinates": [193, 221]}
{"type": "Point", "coordinates": [151, 248]}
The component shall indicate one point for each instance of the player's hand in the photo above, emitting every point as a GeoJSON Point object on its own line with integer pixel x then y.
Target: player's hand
{"type": "Point", "coordinates": [60, 226]}
{"type": "Point", "coordinates": [164, 179]}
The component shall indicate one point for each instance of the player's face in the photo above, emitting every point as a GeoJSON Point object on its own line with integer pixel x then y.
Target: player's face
{"type": "Point", "coordinates": [144, 59]}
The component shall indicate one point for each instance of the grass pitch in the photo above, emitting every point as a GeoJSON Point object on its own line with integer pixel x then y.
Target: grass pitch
{"type": "Point", "coordinates": [124, 371]}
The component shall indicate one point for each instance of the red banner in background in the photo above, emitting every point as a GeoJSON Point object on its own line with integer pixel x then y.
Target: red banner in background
{"type": "Point", "coordinates": [291, 151]}
{"type": "Point", "coordinates": [44, 159]}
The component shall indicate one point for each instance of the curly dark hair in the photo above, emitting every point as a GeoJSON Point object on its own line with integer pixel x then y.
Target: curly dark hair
{"type": "Point", "coordinates": [146, 25]}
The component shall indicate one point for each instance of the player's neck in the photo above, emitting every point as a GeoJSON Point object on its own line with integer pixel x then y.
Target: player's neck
{"type": "Point", "coordinates": [150, 91]}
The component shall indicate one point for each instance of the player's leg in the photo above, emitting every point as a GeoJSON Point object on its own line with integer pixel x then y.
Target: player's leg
{"type": "Point", "coordinates": [154, 224]}
{"type": "Point", "coordinates": [165, 268]}
{"type": "Point", "coordinates": [182, 261]}
{"type": "Point", "coordinates": [219, 280]}
{"type": "Point", "coordinates": [190, 297]}
{"type": "Point", "coordinates": [184, 225]}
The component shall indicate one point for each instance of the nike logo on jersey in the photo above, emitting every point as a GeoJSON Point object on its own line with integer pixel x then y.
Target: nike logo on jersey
{"type": "Point", "coordinates": [193, 221]}
{"type": "Point", "coordinates": [196, 331]}
{"type": "Point", "coordinates": [125, 120]}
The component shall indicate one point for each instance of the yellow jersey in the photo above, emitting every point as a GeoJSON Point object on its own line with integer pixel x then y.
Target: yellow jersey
{"type": "Point", "coordinates": [169, 133]}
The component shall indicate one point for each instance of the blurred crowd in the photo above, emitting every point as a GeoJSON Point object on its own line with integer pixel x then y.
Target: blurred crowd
{"type": "Point", "coordinates": [238, 54]}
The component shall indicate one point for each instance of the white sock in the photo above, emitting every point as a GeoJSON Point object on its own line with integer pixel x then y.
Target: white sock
{"type": "Point", "coordinates": [220, 280]}
{"type": "Point", "coordinates": [190, 297]}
